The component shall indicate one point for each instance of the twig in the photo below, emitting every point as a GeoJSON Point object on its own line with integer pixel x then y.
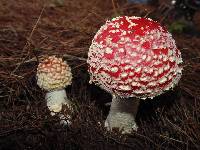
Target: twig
{"type": "Point", "coordinates": [29, 39]}
{"type": "Point", "coordinates": [79, 65]}
{"type": "Point", "coordinates": [98, 15]}
{"type": "Point", "coordinates": [65, 56]}
{"type": "Point", "coordinates": [181, 131]}
{"type": "Point", "coordinates": [149, 12]}
{"type": "Point", "coordinates": [74, 57]}
{"type": "Point", "coordinates": [119, 142]}
{"type": "Point", "coordinates": [166, 137]}
{"type": "Point", "coordinates": [149, 139]}
{"type": "Point", "coordinates": [114, 7]}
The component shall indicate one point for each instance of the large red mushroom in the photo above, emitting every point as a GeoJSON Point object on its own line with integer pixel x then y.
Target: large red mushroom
{"type": "Point", "coordinates": [133, 58]}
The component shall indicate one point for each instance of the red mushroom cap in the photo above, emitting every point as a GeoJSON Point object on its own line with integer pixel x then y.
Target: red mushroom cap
{"type": "Point", "coordinates": [134, 57]}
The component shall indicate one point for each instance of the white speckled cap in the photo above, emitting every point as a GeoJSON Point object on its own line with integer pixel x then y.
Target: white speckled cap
{"type": "Point", "coordinates": [53, 73]}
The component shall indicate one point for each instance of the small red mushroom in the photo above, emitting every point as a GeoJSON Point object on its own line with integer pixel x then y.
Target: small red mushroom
{"type": "Point", "coordinates": [133, 57]}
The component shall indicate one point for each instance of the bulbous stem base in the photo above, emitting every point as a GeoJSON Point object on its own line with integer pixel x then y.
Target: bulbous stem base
{"type": "Point", "coordinates": [122, 114]}
{"type": "Point", "coordinates": [55, 100]}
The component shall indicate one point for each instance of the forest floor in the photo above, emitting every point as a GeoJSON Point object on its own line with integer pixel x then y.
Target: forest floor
{"type": "Point", "coordinates": [30, 30]}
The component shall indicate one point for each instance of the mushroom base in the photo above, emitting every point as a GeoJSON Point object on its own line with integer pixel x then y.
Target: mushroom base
{"type": "Point", "coordinates": [55, 100]}
{"type": "Point", "coordinates": [122, 114]}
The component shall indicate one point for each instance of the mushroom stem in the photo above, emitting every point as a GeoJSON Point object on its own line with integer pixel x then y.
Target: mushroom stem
{"type": "Point", "coordinates": [122, 114]}
{"type": "Point", "coordinates": [55, 100]}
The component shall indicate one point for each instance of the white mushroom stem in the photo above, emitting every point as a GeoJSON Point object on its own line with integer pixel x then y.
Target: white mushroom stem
{"type": "Point", "coordinates": [55, 100]}
{"type": "Point", "coordinates": [122, 114]}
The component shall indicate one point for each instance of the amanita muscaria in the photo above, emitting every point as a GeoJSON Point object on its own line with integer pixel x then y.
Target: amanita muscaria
{"type": "Point", "coordinates": [53, 75]}
{"type": "Point", "coordinates": [132, 58]}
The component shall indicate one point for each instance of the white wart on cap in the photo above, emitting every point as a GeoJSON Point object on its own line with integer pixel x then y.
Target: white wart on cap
{"type": "Point", "coordinates": [134, 57]}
